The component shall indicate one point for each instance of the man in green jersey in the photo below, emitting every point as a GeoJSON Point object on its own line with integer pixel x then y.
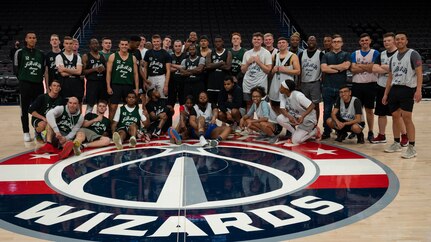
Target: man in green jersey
{"type": "Point", "coordinates": [94, 129]}
{"type": "Point", "coordinates": [29, 67]}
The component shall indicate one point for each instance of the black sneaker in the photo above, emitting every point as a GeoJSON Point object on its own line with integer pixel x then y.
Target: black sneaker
{"type": "Point", "coordinates": [326, 135]}
{"type": "Point", "coordinates": [361, 139]}
{"type": "Point", "coordinates": [370, 136]}
{"type": "Point", "coordinates": [351, 135]}
{"type": "Point", "coordinates": [341, 136]}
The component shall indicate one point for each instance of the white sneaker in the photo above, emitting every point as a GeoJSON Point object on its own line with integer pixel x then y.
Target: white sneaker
{"type": "Point", "coordinates": [27, 137]}
{"type": "Point", "coordinates": [117, 140]}
{"type": "Point", "coordinates": [202, 141]}
{"type": "Point", "coordinates": [395, 147]}
{"type": "Point", "coordinates": [132, 141]}
{"type": "Point", "coordinates": [409, 153]}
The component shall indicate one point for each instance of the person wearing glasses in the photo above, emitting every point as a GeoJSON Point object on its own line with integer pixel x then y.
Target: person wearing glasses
{"type": "Point", "coordinates": [335, 65]}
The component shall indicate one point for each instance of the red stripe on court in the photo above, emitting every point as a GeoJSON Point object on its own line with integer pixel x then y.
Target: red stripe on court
{"type": "Point", "coordinates": [356, 181]}
{"type": "Point", "coordinates": [25, 188]}
{"type": "Point", "coordinates": [31, 158]}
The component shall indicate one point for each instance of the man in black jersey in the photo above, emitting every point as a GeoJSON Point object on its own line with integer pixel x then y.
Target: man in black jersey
{"type": "Point", "coordinates": [94, 69]}
{"type": "Point", "coordinates": [176, 83]}
{"type": "Point", "coordinates": [41, 106]}
{"type": "Point", "coordinates": [51, 69]}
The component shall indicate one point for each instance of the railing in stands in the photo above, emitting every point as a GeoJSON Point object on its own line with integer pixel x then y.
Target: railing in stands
{"type": "Point", "coordinates": [88, 21]}
{"type": "Point", "coordinates": [284, 20]}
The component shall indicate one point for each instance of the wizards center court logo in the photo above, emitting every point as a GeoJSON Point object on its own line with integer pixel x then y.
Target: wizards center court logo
{"type": "Point", "coordinates": [242, 190]}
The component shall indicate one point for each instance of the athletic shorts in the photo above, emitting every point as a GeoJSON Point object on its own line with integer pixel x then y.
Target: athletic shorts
{"type": "Point", "coordinates": [366, 92]}
{"type": "Point", "coordinates": [381, 109]}
{"type": "Point", "coordinates": [312, 91]}
{"type": "Point", "coordinates": [120, 93]}
{"type": "Point", "coordinates": [401, 97]}
{"type": "Point", "coordinates": [90, 135]}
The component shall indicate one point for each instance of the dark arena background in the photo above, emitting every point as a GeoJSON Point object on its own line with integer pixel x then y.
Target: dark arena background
{"type": "Point", "coordinates": [244, 189]}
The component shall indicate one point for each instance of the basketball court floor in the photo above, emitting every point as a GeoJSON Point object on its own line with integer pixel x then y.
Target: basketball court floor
{"type": "Point", "coordinates": [243, 190]}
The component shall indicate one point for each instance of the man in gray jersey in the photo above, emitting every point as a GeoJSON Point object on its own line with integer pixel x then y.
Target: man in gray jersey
{"type": "Point", "coordinates": [381, 67]}
{"type": "Point", "coordinates": [403, 88]}
{"type": "Point", "coordinates": [347, 116]}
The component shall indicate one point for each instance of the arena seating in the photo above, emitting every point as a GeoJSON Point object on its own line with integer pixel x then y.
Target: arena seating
{"type": "Point", "coordinates": [178, 17]}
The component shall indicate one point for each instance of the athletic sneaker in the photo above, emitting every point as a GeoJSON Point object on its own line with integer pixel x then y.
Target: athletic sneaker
{"type": "Point", "coordinates": [174, 137]}
{"type": "Point", "coordinates": [351, 136]}
{"type": "Point", "coordinates": [262, 137]}
{"type": "Point", "coordinates": [38, 137]}
{"type": "Point", "coordinates": [341, 136]}
{"type": "Point", "coordinates": [361, 139]}
{"type": "Point", "coordinates": [67, 149]}
{"type": "Point", "coordinates": [47, 148]}
{"type": "Point", "coordinates": [325, 136]}
{"type": "Point", "coordinates": [202, 141]}
{"type": "Point", "coordinates": [213, 142]}
{"type": "Point", "coordinates": [156, 133]}
{"type": "Point", "coordinates": [273, 139]}
{"type": "Point", "coordinates": [117, 140]}
{"type": "Point", "coordinates": [27, 137]}
{"type": "Point", "coordinates": [132, 142]}
{"type": "Point", "coordinates": [77, 147]}
{"type": "Point", "coordinates": [395, 147]}
{"type": "Point", "coordinates": [409, 153]}
{"type": "Point", "coordinates": [370, 136]}
{"type": "Point", "coordinates": [380, 138]}
{"type": "Point", "coordinates": [404, 140]}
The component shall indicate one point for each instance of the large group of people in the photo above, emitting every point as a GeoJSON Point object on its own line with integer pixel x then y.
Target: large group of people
{"type": "Point", "coordinates": [273, 92]}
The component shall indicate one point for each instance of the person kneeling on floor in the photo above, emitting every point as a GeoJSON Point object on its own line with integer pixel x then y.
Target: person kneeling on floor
{"type": "Point", "coordinates": [347, 116]}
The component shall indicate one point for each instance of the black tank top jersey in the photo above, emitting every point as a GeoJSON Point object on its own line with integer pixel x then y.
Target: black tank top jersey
{"type": "Point", "coordinates": [177, 60]}
{"type": "Point", "coordinates": [69, 64]}
{"type": "Point", "coordinates": [216, 76]}
{"type": "Point", "coordinates": [192, 65]}
{"type": "Point", "coordinates": [50, 63]}
{"type": "Point", "coordinates": [94, 63]}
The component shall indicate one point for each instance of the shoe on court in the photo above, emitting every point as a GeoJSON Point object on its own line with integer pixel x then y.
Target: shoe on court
{"type": "Point", "coordinates": [341, 136]}
{"type": "Point", "coordinates": [67, 149]}
{"type": "Point", "coordinates": [262, 137]}
{"type": "Point", "coordinates": [351, 135]}
{"type": "Point", "coordinates": [156, 133]}
{"type": "Point", "coordinates": [325, 136]}
{"type": "Point", "coordinates": [77, 147]}
{"type": "Point", "coordinates": [370, 136]}
{"type": "Point", "coordinates": [273, 139]}
{"type": "Point", "coordinates": [132, 142]}
{"type": "Point", "coordinates": [404, 140]}
{"type": "Point", "coordinates": [174, 137]}
{"type": "Point", "coordinates": [202, 141]}
{"type": "Point", "coordinates": [213, 142]}
{"type": "Point", "coordinates": [47, 148]}
{"type": "Point", "coordinates": [380, 138]}
{"type": "Point", "coordinates": [395, 147]}
{"type": "Point", "coordinates": [27, 137]}
{"type": "Point", "coordinates": [38, 137]}
{"type": "Point", "coordinates": [409, 153]}
{"type": "Point", "coordinates": [117, 140]}
{"type": "Point", "coordinates": [361, 139]}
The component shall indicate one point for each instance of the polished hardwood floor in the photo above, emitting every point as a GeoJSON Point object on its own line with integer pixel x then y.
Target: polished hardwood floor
{"type": "Point", "coordinates": [407, 218]}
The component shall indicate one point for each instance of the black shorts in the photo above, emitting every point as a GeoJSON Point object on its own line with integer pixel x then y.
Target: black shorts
{"type": "Point", "coordinates": [381, 109]}
{"type": "Point", "coordinates": [72, 87]}
{"type": "Point", "coordinates": [120, 93]}
{"type": "Point", "coordinates": [401, 97]}
{"type": "Point", "coordinates": [366, 92]}
{"type": "Point", "coordinates": [95, 91]}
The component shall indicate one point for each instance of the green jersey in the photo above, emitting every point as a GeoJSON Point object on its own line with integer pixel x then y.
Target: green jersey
{"type": "Point", "coordinates": [30, 64]}
{"type": "Point", "coordinates": [122, 70]}
{"type": "Point", "coordinates": [99, 127]}
{"type": "Point", "coordinates": [127, 118]}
